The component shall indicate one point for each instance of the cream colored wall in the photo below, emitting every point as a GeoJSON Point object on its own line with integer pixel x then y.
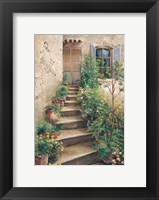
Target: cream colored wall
{"type": "Point", "coordinates": [48, 70]}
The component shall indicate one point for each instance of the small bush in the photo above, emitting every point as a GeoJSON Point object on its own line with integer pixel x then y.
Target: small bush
{"type": "Point", "coordinates": [52, 107]}
{"type": "Point", "coordinates": [61, 93]}
{"type": "Point", "coordinates": [42, 147]}
{"type": "Point", "coordinates": [55, 148]}
{"type": "Point", "coordinates": [89, 73]}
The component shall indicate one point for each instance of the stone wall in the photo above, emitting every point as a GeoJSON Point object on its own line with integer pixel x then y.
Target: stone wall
{"type": "Point", "coordinates": [48, 70]}
{"type": "Point", "coordinates": [98, 40]}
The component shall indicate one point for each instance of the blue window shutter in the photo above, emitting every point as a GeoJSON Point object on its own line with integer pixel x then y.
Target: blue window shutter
{"type": "Point", "coordinates": [93, 51]}
{"type": "Point", "coordinates": [117, 54]}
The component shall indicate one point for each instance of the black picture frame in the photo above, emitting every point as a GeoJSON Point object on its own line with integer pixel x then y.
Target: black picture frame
{"type": "Point", "coordinates": [7, 8]}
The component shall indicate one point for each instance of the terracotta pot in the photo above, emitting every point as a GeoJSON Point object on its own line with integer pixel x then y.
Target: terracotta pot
{"type": "Point", "coordinates": [41, 160]}
{"type": "Point", "coordinates": [52, 116]}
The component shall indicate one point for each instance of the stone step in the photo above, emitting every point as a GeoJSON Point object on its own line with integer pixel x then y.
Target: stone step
{"type": "Point", "coordinates": [73, 89]}
{"type": "Point", "coordinates": [73, 86]}
{"type": "Point", "coordinates": [72, 92]}
{"type": "Point", "coordinates": [71, 103]}
{"type": "Point", "coordinates": [79, 154]}
{"type": "Point", "coordinates": [71, 122]}
{"type": "Point", "coordinates": [70, 111]}
{"type": "Point", "coordinates": [75, 136]}
{"type": "Point", "coordinates": [71, 97]}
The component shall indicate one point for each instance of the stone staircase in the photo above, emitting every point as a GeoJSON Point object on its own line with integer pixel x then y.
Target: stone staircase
{"type": "Point", "coordinates": [75, 136]}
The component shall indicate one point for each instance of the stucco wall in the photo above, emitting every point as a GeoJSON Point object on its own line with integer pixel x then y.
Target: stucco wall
{"type": "Point", "coordinates": [48, 70]}
{"type": "Point", "coordinates": [98, 40]}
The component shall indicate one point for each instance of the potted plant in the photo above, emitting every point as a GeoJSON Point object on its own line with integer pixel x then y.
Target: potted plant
{"type": "Point", "coordinates": [61, 93]}
{"type": "Point", "coordinates": [65, 79]}
{"type": "Point", "coordinates": [55, 149]}
{"type": "Point", "coordinates": [59, 102]}
{"type": "Point", "coordinates": [52, 112]}
{"type": "Point", "coordinates": [43, 129]}
{"type": "Point", "coordinates": [42, 149]}
{"type": "Point", "coordinates": [55, 132]}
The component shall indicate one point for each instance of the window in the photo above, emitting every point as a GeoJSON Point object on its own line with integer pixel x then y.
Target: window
{"type": "Point", "coordinates": [103, 58]}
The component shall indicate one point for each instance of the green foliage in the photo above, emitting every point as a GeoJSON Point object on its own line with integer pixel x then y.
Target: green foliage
{"type": "Point", "coordinates": [65, 77]}
{"type": "Point", "coordinates": [104, 119]}
{"type": "Point", "coordinates": [52, 107]}
{"type": "Point", "coordinates": [102, 69]}
{"type": "Point", "coordinates": [98, 127]}
{"type": "Point", "coordinates": [43, 127]}
{"type": "Point", "coordinates": [117, 72]}
{"type": "Point", "coordinates": [117, 140]}
{"type": "Point", "coordinates": [42, 147]}
{"type": "Point", "coordinates": [55, 147]}
{"type": "Point", "coordinates": [57, 128]}
{"type": "Point", "coordinates": [61, 93]}
{"type": "Point", "coordinates": [93, 102]}
{"type": "Point", "coordinates": [47, 127]}
{"type": "Point", "coordinates": [102, 148]}
{"type": "Point", "coordinates": [51, 147]}
{"type": "Point", "coordinates": [89, 73]}
{"type": "Point", "coordinates": [105, 133]}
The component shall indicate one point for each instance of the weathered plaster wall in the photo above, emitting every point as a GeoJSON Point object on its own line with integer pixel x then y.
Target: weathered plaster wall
{"type": "Point", "coordinates": [48, 70]}
{"type": "Point", "coordinates": [98, 40]}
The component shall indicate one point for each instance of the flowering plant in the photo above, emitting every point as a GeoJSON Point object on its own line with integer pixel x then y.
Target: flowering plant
{"type": "Point", "coordinates": [55, 147]}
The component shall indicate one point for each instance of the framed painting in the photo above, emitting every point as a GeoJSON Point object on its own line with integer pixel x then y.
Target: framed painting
{"type": "Point", "coordinates": [79, 99]}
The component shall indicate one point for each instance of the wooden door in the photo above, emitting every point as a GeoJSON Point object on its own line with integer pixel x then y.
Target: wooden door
{"type": "Point", "coordinates": [71, 63]}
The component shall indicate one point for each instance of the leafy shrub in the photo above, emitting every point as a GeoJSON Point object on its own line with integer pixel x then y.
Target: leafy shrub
{"type": "Point", "coordinates": [117, 73]}
{"type": "Point", "coordinates": [42, 147]}
{"type": "Point", "coordinates": [89, 73]}
{"type": "Point", "coordinates": [65, 77]}
{"type": "Point", "coordinates": [93, 102]}
{"type": "Point", "coordinates": [61, 93]}
{"type": "Point", "coordinates": [105, 114]}
{"type": "Point", "coordinates": [47, 127]}
{"type": "Point", "coordinates": [55, 148]}
{"type": "Point", "coordinates": [108, 133]}
{"type": "Point", "coordinates": [43, 127]}
{"type": "Point", "coordinates": [102, 147]}
{"type": "Point", "coordinates": [52, 107]}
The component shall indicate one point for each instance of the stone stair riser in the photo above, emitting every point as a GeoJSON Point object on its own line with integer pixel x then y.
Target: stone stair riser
{"type": "Point", "coordinates": [72, 125]}
{"type": "Point", "coordinates": [72, 92]}
{"type": "Point", "coordinates": [73, 89]}
{"type": "Point", "coordinates": [76, 140]}
{"type": "Point", "coordinates": [70, 113]}
{"type": "Point", "coordinates": [84, 160]}
{"type": "Point", "coordinates": [71, 98]}
{"type": "Point", "coordinates": [72, 104]}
